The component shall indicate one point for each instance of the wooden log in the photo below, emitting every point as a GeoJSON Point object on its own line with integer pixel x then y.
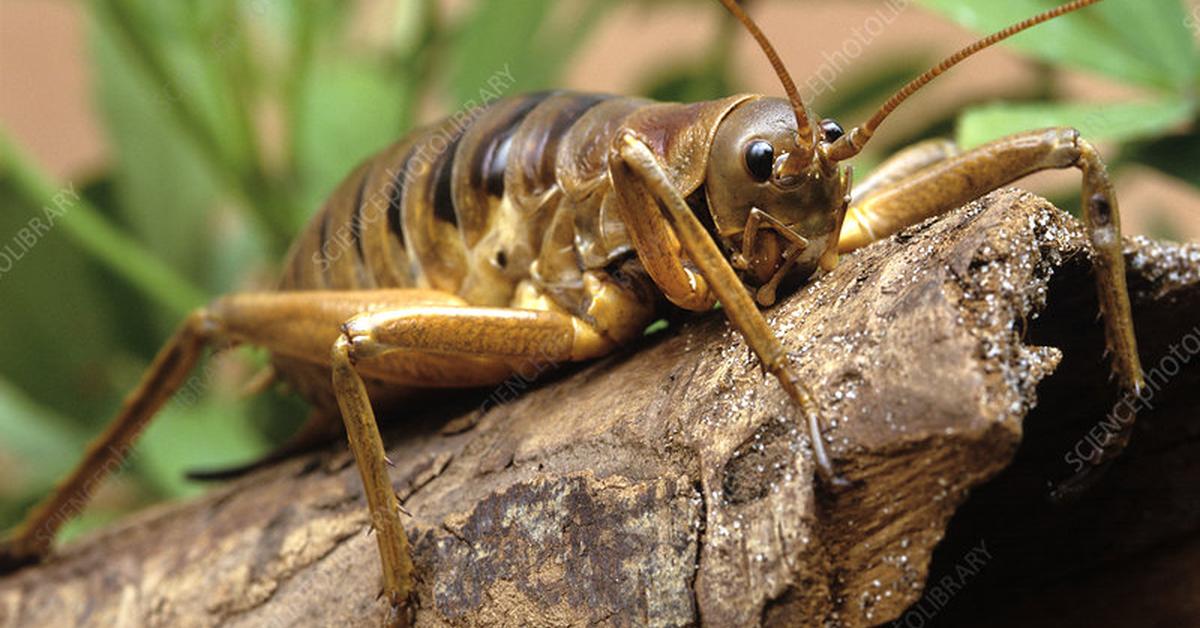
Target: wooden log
{"type": "Point", "coordinates": [673, 483]}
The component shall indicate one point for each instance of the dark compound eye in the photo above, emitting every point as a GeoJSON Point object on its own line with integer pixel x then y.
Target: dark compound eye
{"type": "Point", "coordinates": [831, 130]}
{"type": "Point", "coordinates": [760, 159]}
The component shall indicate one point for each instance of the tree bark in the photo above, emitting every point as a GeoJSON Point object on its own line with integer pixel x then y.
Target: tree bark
{"type": "Point", "coordinates": [673, 483]}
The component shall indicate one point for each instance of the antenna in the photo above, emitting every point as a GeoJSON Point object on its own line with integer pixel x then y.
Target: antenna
{"type": "Point", "coordinates": [853, 142]}
{"type": "Point", "coordinates": [798, 161]}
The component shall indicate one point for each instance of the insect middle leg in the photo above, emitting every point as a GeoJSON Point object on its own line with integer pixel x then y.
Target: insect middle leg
{"type": "Point", "coordinates": [407, 339]}
{"type": "Point", "coordinates": [956, 180]}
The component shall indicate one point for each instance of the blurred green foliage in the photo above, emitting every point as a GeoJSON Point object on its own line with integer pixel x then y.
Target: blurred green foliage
{"type": "Point", "coordinates": [231, 120]}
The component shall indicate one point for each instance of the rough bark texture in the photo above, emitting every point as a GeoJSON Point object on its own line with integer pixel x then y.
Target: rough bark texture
{"type": "Point", "coordinates": [673, 484]}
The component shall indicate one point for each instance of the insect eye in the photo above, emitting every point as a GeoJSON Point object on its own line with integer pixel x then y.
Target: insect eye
{"type": "Point", "coordinates": [760, 159]}
{"type": "Point", "coordinates": [831, 130]}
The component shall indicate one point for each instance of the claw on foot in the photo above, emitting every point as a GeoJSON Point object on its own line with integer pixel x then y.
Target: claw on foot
{"type": "Point", "coordinates": [1071, 488]}
{"type": "Point", "coordinates": [399, 615]}
{"type": "Point", "coordinates": [837, 482]}
{"type": "Point", "coordinates": [1110, 447]}
{"type": "Point", "coordinates": [399, 612]}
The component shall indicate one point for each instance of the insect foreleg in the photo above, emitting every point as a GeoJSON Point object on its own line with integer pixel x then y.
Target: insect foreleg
{"type": "Point", "coordinates": [34, 537]}
{"type": "Point", "coordinates": [644, 173]}
{"type": "Point", "coordinates": [954, 181]}
{"type": "Point", "coordinates": [656, 244]}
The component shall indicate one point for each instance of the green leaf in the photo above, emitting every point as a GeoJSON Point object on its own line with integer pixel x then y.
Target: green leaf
{"type": "Point", "coordinates": [1157, 31]}
{"type": "Point", "coordinates": [864, 88]}
{"type": "Point", "coordinates": [1144, 42]}
{"type": "Point", "coordinates": [349, 109]}
{"type": "Point", "coordinates": [198, 83]}
{"type": "Point", "coordinates": [165, 191]}
{"type": "Point", "coordinates": [1117, 122]}
{"type": "Point", "coordinates": [93, 518]}
{"type": "Point", "coordinates": [33, 437]}
{"type": "Point", "coordinates": [500, 35]}
{"type": "Point", "coordinates": [205, 433]}
{"type": "Point", "coordinates": [42, 203]}
{"type": "Point", "coordinates": [517, 38]}
{"type": "Point", "coordinates": [56, 331]}
{"type": "Point", "coordinates": [1176, 155]}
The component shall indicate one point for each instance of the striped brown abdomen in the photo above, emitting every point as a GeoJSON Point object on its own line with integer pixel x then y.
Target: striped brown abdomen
{"type": "Point", "coordinates": [465, 206]}
{"type": "Point", "coordinates": [482, 201]}
{"type": "Point", "coordinates": [469, 204]}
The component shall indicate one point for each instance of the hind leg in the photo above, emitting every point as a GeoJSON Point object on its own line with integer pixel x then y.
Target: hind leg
{"type": "Point", "coordinates": [34, 536]}
{"type": "Point", "coordinates": [952, 182]}
{"type": "Point", "coordinates": [903, 165]}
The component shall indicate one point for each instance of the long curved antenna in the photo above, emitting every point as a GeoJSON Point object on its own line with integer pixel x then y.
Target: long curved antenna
{"type": "Point", "coordinates": [853, 142]}
{"type": "Point", "coordinates": [797, 162]}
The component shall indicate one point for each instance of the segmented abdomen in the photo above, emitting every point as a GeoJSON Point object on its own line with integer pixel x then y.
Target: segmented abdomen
{"type": "Point", "coordinates": [468, 205]}
{"type": "Point", "coordinates": [484, 200]}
